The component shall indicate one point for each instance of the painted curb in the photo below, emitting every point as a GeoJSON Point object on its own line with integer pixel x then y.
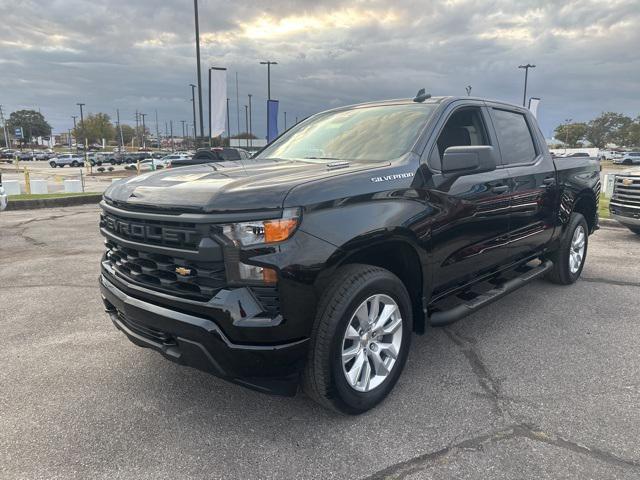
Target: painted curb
{"type": "Point", "coordinates": [53, 202]}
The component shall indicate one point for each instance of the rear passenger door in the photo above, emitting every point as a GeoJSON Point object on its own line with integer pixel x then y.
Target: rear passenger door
{"type": "Point", "coordinates": [533, 177]}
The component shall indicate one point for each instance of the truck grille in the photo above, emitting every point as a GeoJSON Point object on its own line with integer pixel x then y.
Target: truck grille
{"type": "Point", "coordinates": [626, 191]}
{"type": "Point", "coordinates": [162, 233]}
{"type": "Point", "coordinates": [197, 280]}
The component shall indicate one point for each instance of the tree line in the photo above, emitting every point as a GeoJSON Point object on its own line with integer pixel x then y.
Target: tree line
{"type": "Point", "coordinates": [96, 127]}
{"type": "Point", "coordinates": [607, 128]}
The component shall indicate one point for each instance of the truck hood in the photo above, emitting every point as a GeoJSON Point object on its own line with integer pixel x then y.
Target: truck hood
{"type": "Point", "coordinates": [228, 186]}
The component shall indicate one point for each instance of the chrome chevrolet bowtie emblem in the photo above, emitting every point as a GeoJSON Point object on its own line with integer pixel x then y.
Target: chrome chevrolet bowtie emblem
{"type": "Point", "coordinates": [183, 271]}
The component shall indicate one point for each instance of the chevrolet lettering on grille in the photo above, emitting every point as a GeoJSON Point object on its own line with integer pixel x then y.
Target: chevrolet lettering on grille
{"type": "Point", "coordinates": [140, 231]}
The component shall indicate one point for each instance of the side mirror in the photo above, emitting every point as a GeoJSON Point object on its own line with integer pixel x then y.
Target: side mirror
{"type": "Point", "coordinates": [469, 159]}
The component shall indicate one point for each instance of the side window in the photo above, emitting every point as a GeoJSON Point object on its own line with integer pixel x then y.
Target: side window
{"type": "Point", "coordinates": [516, 143]}
{"type": "Point", "coordinates": [464, 127]}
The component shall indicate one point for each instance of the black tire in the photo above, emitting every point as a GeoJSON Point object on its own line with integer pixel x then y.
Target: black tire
{"type": "Point", "coordinates": [52, 164]}
{"type": "Point", "coordinates": [74, 164]}
{"type": "Point", "coordinates": [627, 162]}
{"type": "Point", "coordinates": [635, 230]}
{"type": "Point", "coordinates": [323, 379]}
{"type": "Point", "coordinates": [561, 272]}
{"type": "Point", "coordinates": [99, 163]}
{"type": "Point", "coordinates": [112, 162]}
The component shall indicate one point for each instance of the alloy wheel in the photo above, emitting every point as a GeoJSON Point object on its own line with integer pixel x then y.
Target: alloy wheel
{"type": "Point", "coordinates": [371, 343]}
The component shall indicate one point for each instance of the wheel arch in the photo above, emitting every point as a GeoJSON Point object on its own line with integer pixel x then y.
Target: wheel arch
{"type": "Point", "coordinates": [398, 254]}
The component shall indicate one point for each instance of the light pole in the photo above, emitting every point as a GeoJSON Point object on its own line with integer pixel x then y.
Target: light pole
{"type": "Point", "coordinates": [120, 128]}
{"type": "Point", "coordinates": [228, 125]}
{"type": "Point", "coordinates": [75, 131]}
{"type": "Point", "coordinates": [144, 132]}
{"type": "Point", "coordinates": [268, 63]}
{"type": "Point", "coordinates": [195, 8]}
{"type": "Point", "coordinates": [285, 121]}
{"type": "Point", "coordinates": [84, 133]}
{"type": "Point", "coordinates": [526, 75]}
{"type": "Point", "coordinates": [182, 121]}
{"type": "Point", "coordinates": [157, 131]}
{"type": "Point", "coordinates": [238, 103]}
{"type": "Point", "coordinates": [193, 100]}
{"type": "Point", "coordinates": [250, 124]}
{"type": "Point", "coordinates": [246, 122]}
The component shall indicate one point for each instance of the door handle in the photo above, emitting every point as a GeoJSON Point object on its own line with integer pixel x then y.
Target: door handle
{"type": "Point", "coordinates": [500, 189]}
{"type": "Point", "coordinates": [549, 181]}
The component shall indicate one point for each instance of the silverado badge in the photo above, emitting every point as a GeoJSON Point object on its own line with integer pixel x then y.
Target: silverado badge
{"type": "Point", "coordinates": [183, 271]}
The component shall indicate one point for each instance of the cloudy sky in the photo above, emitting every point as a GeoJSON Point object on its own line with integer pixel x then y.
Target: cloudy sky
{"type": "Point", "coordinates": [140, 54]}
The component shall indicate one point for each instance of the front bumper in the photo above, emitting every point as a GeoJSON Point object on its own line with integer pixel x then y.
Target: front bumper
{"type": "Point", "coordinates": [625, 214]}
{"type": "Point", "coordinates": [198, 342]}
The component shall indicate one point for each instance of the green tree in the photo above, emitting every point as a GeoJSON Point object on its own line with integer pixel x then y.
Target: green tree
{"type": "Point", "coordinates": [609, 127]}
{"type": "Point", "coordinates": [571, 133]}
{"type": "Point", "coordinates": [33, 124]}
{"type": "Point", "coordinates": [96, 127]}
{"type": "Point", "coordinates": [632, 133]}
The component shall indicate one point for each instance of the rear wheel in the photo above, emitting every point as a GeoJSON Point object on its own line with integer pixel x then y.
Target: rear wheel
{"type": "Point", "coordinates": [568, 260]}
{"type": "Point", "coordinates": [52, 164]}
{"type": "Point", "coordinates": [74, 163]}
{"type": "Point", "coordinates": [360, 339]}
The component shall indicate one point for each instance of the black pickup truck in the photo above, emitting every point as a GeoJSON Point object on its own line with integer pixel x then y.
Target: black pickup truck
{"type": "Point", "coordinates": [313, 263]}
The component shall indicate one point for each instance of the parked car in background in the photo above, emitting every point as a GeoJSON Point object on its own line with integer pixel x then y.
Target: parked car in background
{"type": "Point", "coordinates": [212, 155]}
{"type": "Point", "coordinates": [169, 159]}
{"type": "Point", "coordinates": [576, 154]}
{"type": "Point", "coordinates": [629, 158]}
{"type": "Point", "coordinates": [8, 154]}
{"type": "Point", "coordinates": [25, 155]}
{"type": "Point", "coordinates": [71, 159]}
{"type": "Point", "coordinates": [624, 205]}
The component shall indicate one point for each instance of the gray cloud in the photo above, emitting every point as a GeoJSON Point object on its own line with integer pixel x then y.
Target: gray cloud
{"type": "Point", "coordinates": [140, 54]}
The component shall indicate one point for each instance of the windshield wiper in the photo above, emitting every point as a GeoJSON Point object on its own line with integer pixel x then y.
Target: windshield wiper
{"type": "Point", "coordinates": [321, 158]}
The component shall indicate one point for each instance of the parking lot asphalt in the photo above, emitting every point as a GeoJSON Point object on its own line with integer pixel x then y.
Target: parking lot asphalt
{"type": "Point", "coordinates": [544, 383]}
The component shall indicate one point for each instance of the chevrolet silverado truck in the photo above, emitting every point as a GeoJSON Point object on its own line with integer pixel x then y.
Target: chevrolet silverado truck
{"type": "Point", "coordinates": [625, 199]}
{"type": "Point", "coordinates": [314, 263]}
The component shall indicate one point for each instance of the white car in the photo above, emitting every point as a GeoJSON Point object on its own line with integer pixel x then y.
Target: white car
{"type": "Point", "coordinates": [3, 196]}
{"type": "Point", "coordinates": [166, 161]}
{"type": "Point", "coordinates": [71, 159]}
{"type": "Point", "coordinates": [629, 158]}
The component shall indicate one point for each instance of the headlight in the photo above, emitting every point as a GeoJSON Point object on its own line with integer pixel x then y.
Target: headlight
{"type": "Point", "coordinates": [264, 231]}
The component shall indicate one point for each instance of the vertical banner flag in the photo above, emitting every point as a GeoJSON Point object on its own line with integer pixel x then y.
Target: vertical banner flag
{"type": "Point", "coordinates": [218, 101]}
{"type": "Point", "coordinates": [272, 119]}
{"type": "Point", "coordinates": [533, 105]}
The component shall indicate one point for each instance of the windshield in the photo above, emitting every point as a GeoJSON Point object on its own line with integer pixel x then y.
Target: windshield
{"type": "Point", "coordinates": [378, 133]}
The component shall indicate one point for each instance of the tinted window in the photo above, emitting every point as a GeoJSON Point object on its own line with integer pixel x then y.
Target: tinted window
{"type": "Point", "coordinates": [516, 144]}
{"type": "Point", "coordinates": [464, 127]}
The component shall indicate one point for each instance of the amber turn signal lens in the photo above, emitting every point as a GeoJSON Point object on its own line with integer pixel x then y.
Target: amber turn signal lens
{"type": "Point", "coordinates": [269, 276]}
{"type": "Point", "coordinates": [279, 230]}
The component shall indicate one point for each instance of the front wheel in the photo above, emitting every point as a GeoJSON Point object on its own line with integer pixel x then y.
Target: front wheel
{"type": "Point", "coordinates": [568, 260]}
{"type": "Point", "coordinates": [360, 339]}
{"type": "Point", "coordinates": [74, 164]}
{"type": "Point", "coordinates": [52, 164]}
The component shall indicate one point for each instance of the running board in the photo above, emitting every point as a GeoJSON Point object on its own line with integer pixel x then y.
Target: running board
{"type": "Point", "coordinates": [446, 317]}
